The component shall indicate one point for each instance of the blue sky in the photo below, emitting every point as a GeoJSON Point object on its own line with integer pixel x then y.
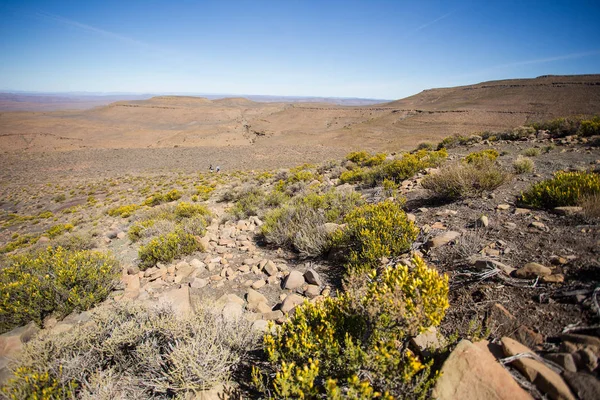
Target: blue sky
{"type": "Point", "coordinates": [375, 49]}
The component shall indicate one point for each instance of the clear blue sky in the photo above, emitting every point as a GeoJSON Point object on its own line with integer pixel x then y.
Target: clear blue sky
{"type": "Point", "coordinates": [377, 49]}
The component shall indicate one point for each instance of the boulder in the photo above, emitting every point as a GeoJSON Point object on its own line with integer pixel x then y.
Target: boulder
{"type": "Point", "coordinates": [426, 341]}
{"type": "Point", "coordinates": [198, 283]}
{"type": "Point", "coordinates": [179, 300]}
{"type": "Point", "coordinates": [291, 301]}
{"type": "Point", "coordinates": [270, 268]}
{"type": "Point", "coordinates": [294, 280]}
{"type": "Point", "coordinates": [471, 372]}
{"type": "Point", "coordinates": [545, 379]}
{"type": "Point", "coordinates": [312, 277]}
{"type": "Point", "coordinates": [488, 263]}
{"type": "Point", "coordinates": [442, 239]}
{"type": "Point", "coordinates": [585, 386]}
{"type": "Point", "coordinates": [532, 270]}
{"type": "Point", "coordinates": [254, 297]}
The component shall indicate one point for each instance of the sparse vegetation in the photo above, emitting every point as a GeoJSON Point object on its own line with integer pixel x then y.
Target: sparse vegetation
{"type": "Point", "coordinates": [53, 281]}
{"type": "Point", "coordinates": [159, 198]}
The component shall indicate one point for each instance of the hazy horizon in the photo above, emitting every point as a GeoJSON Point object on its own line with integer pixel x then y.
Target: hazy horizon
{"type": "Point", "coordinates": [343, 49]}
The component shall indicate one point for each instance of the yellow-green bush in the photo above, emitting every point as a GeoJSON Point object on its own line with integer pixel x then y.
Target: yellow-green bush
{"type": "Point", "coordinates": [59, 229]}
{"type": "Point", "coordinates": [166, 248]}
{"type": "Point", "coordinates": [374, 231]}
{"type": "Point", "coordinates": [123, 211]}
{"type": "Point", "coordinates": [565, 189]}
{"type": "Point", "coordinates": [136, 229]}
{"type": "Point", "coordinates": [352, 176]}
{"type": "Point", "coordinates": [204, 191]}
{"type": "Point", "coordinates": [362, 332]}
{"type": "Point", "coordinates": [396, 170]}
{"type": "Point", "coordinates": [187, 210]}
{"type": "Point", "coordinates": [478, 156]}
{"type": "Point", "coordinates": [53, 281]}
{"type": "Point", "coordinates": [590, 127]}
{"type": "Point", "coordinates": [357, 157]}
{"type": "Point", "coordinates": [19, 242]}
{"type": "Point", "coordinates": [159, 198]}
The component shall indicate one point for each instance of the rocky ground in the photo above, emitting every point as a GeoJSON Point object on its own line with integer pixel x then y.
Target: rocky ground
{"type": "Point", "coordinates": [525, 281]}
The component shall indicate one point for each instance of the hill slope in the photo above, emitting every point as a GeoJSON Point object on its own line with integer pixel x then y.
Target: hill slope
{"type": "Point", "coordinates": [169, 121]}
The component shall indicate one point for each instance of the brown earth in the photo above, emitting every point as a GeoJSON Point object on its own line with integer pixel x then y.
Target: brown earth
{"type": "Point", "coordinates": [179, 121]}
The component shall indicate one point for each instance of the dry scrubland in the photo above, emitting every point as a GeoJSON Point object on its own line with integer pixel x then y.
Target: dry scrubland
{"type": "Point", "coordinates": [371, 275]}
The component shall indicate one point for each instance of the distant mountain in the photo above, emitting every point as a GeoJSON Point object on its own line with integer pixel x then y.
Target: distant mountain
{"type": "Point", "coordinates": [39, 101]}
{"type": "Point", "coordinates": [189, 121]}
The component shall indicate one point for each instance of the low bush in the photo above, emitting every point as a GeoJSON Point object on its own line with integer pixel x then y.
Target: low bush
{"type": "Point", "coordinates": [300, 224]}
{"type": "Point", "coordinates": [75, 241]}
{"type": "Point", "coordinates": [565, 189]}
{"type": "Point", "coordinates": [590, 205]}
{"type": "Point", "coordinates": [59, 229]}
{"type": "Point", "coordinates": [479, 156]}
{"type": "Point", "coordinates": [559, 127]}
{"type": "Point", "coordinates": [458, 140]}
{"type": "Point", "coordinates": [159, 198]}
{"type": "Point", "coordinates": [165, 248]}
{"type": "Point", "coordinates": [363, 332]}
{"type": "Point", "coordinates": [249, 200]}
{"type": "Point", "coordinates": [53, 281]}
{"type": "Point", "coordinates": [590, 127]}
{"type": "Point", "coordinates": [123, 211]}
{"type": "Point", "coordinates": [374, 231]}
{"type": "Point", "coordinates": [466, 180]}
{"type": "Point", "coordinates": [531, 152]}
{"type": "Point", "coordinates": [523, 165]}
{"type": "Point", "coordinates": [204, 191]}
{"type": "Point", "coordinates": [19, 242]}
{"type": "Point", "coordinates": [130, 351]}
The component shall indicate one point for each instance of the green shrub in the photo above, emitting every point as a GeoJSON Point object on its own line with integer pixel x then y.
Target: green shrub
{"type": "Point", "coordinates": [123, 211]}
{"type": "Point", "coordinates": [457, 140]}
{"type": "Point", "coordinates": [425, 146]}
{"type": "Point", "coordinates": [403, 168]}
{"type": "Point", "coordinates": [19, 242]}
{"type": "Point", "coordinates": [374, 231]}
{"type": "Point", "coordinates": [250, 200]}
{"type": "Point", "coordinates": [466, 180]}
{"type": "Point", "coordinates": [362, 332]}
{"type": "Point", "coordinates": [478, 156]}
{"type": "Point", "coordinates": [59, 229]}
{"type": "Point", "coordinates": [523, 165]}
{"type": "Point", "coordinates": [590, 127]}
{"type": "Point", "coordinates": [53, 281]}
{"type": "Point", "coordinates": [166, 248]}
{"type": "Point", "coordinates": [531, 152]}
{"type": "Point", "coordinates": [560, 126]}
{"type": "Point", "coordinates": [565, 189]}
{"type": "Point", "coordinates": [131, 351]}
{"type": "Point", "coordinates": [159, 198]}
{"type": "Point", "coordinates": [352, 176]}
{"type": "Point", "coordinates": [185, 210]}
{"type": "Point", "coordinates": [204, 191]}
{"type": "Point", "coordinates": [358, 157]}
